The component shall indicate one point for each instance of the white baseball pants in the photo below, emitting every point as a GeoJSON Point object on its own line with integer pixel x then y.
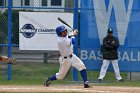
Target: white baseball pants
{"type": "Point", "coordinates": [104, 68]}
{"type": "Point", "coordinates": [65, 65]}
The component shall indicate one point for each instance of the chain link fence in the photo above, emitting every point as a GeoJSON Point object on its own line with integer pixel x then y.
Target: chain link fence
{"type": "Point", "coordinates": [33, 66]}
{"type": "Point", "coordinates": [30, 62]}
{"type": "Point", "coordinates": [65, 6]}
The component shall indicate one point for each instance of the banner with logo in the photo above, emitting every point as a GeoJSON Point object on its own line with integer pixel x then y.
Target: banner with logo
{"type": "Point", "coordinates": [120, 15]}
{"type": "Point", "coordinates": [37, 29]}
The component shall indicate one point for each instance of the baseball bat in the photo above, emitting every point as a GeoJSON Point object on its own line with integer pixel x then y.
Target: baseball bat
{"type": "Point", "coordinates": [64, 22]}
{"type": "Point", "coordinates": [75, 32]}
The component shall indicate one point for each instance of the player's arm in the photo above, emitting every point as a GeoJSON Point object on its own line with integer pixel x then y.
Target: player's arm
{"type": "Point", "coordinates": [72, 40]}
{"type": "Point", "coordinates": [116, 43]}
{"type": "Point", "coordinates": [72, 36]}
{"type": "Point", "coordinates": [73, 33]}
{"type": "Point", "coordinates": [69, 41]}
{"type": "Point", "coordinates": [106, 45]}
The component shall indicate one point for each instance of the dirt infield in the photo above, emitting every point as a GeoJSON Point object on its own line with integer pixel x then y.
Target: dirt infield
{"type": "Point", "coordinates": [70, 88]}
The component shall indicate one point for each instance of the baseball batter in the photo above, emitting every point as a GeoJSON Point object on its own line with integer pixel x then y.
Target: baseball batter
{"type": "Point", "coordinates": [67, 58]}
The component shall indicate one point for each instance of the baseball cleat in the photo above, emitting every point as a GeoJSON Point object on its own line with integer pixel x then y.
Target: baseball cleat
{"type": "Point", "coordinates": [121, 80]}
{"type": "Point", "coordinates": [48, 82]}
{"type": "Point", "coordinates": [100, 80]}
{"type": "Point", "coordinates": [86, 84]}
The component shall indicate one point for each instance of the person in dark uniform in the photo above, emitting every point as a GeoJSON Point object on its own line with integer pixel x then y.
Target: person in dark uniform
{"type": "Point", "coordinates": [110, 54]}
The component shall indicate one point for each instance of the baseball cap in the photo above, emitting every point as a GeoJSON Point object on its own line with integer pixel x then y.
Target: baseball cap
{"type": "Point", "coordinates": [110, 30]}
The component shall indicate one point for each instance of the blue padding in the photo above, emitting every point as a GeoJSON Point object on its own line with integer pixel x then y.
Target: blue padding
{"type": "Point", "coordinates": [123, 66]}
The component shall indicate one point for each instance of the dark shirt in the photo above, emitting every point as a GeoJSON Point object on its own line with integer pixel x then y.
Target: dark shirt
{"type": "Point", "coordinates": [110, 45]}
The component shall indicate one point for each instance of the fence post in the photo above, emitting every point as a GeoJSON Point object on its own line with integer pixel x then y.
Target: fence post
{"type": "Point", "coordinates": [9, 36]}
{"type": "Point", "coordinates": [75, 20]}
{"type": "Point", "coordinates": [45, 57]}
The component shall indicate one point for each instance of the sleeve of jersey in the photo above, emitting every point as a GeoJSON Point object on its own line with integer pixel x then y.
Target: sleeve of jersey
{"type": "Point", "coordinates": [70, 41]}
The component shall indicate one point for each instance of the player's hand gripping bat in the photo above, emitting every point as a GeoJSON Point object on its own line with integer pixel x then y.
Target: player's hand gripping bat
{"type": "Point", "coordinates": [75, 31]}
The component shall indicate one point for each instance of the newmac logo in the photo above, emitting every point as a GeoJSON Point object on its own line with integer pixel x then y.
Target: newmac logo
{"type": "Point", "coordinates": [28, 30]}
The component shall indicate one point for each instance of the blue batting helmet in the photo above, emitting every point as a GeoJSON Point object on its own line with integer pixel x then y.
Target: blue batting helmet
{"type": "Point", "coordinates": [60, 29]}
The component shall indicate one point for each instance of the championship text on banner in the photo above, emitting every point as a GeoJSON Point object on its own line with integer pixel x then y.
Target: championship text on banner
{"type": "Point", "coordinates": [37, 29]}
{"type": "Point", "coordinates": [120, 15]}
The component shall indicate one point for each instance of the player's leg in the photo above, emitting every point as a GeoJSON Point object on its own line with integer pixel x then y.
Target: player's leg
{"type": "Point", "coordinates": [64, 67]}
{"type": "Point", "coordinates": [116, 70]}
{"type": "Point", "coordinates": [79, 65]}
{"type": "Point", "coordinates": [103, 70]}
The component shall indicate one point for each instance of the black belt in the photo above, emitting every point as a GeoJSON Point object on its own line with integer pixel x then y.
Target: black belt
{"type": "Point", "coordinates": [70, 56]}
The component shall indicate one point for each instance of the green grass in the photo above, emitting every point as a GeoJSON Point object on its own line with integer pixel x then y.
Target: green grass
{"type": "Point", "coordinates": [127, 83]}
{"type": "Point", "coordinates": [36, 74]}
{"type": "Point", "coordinates": [30, 73]}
